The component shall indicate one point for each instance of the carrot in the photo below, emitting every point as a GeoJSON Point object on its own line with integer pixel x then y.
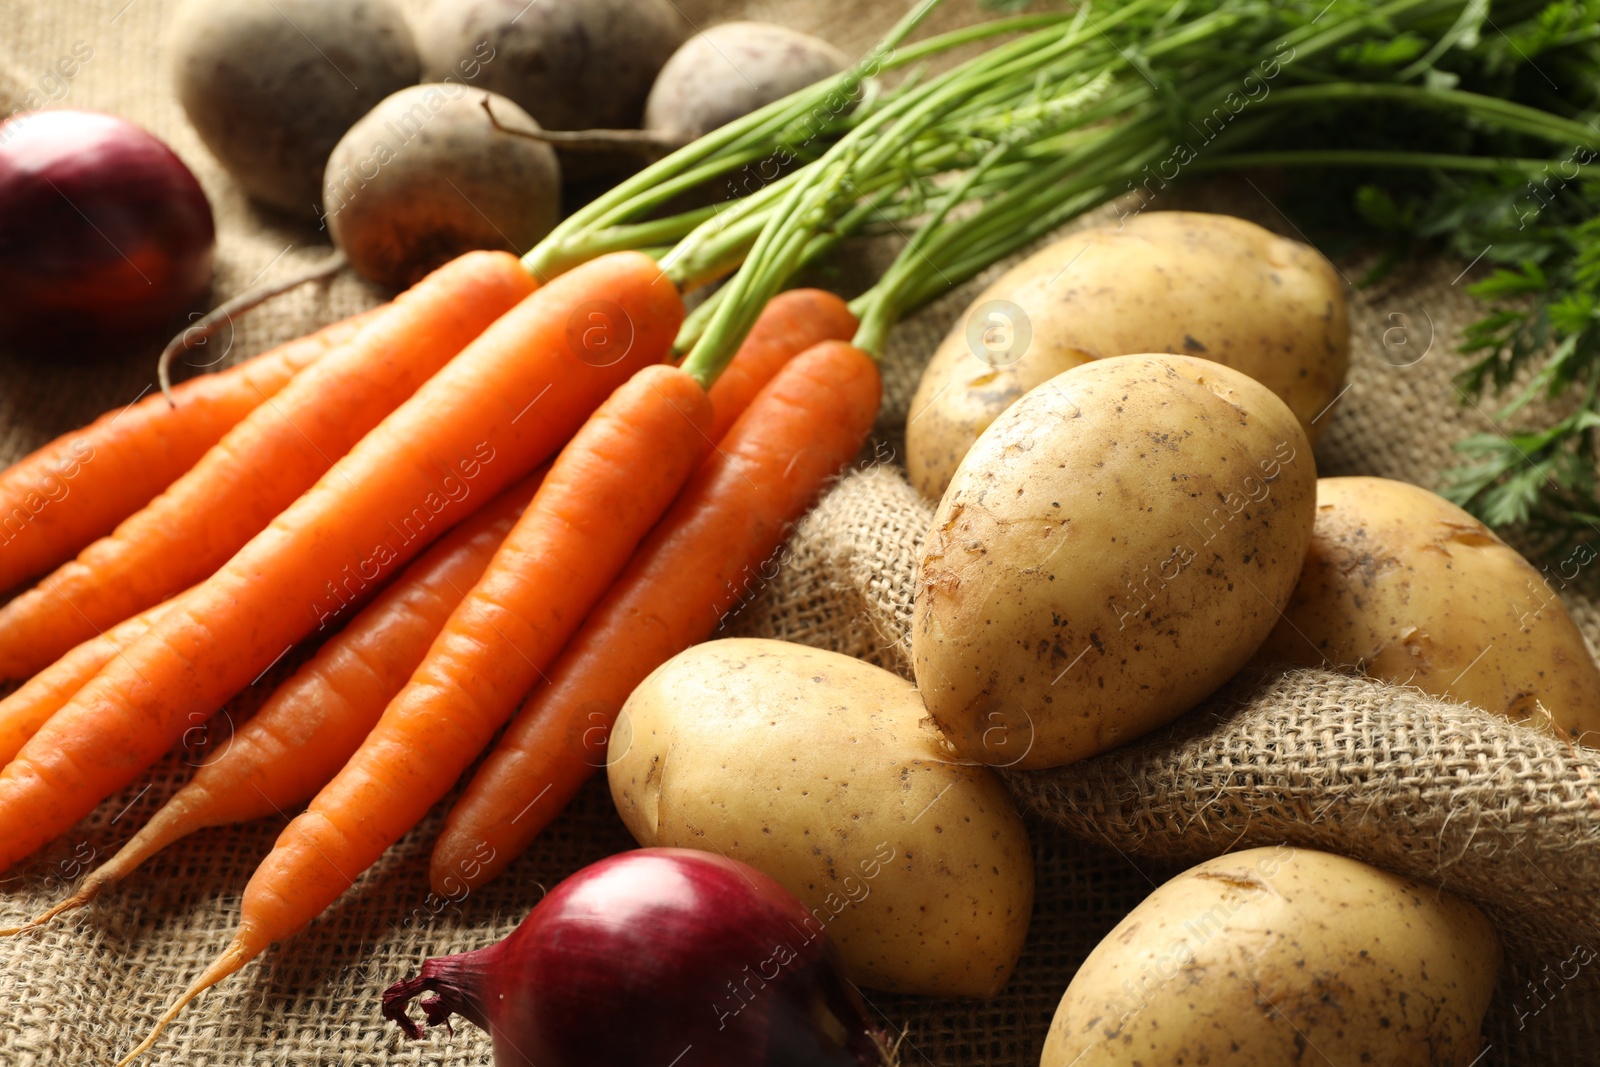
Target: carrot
{"type": "Point", "coordinates": [79, 486]}
{"type": "Point", "coordinates": [272, 456]}
{"type": "Point", "coordinates": [503, 406]}
{"type": "Point", "coordinates": [799, 432]}
{"type": "Point", "coordinates": [602, 495]}
{"type": "Point", "coordinates": [312, 723]}
{"type": "Point", "coordinates": [30, 707]}
{"type": "Point", "coordinates": [790, 323]}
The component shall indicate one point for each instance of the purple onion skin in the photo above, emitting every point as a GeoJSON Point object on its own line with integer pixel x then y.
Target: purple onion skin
{"type": "Point", "coordinates": [105, 236]}
{"type": "Point", "coordinates": [655, 957]}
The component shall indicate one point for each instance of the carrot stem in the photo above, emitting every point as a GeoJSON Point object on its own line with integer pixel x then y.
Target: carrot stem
{"type": "Point", "coordinates": [728, 147]}
{"type": "Point", "coordinates": [869, 147]}
{"type": "Point", "coordinates": [874, 331]}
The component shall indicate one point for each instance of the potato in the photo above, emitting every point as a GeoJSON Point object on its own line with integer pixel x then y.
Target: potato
{"type": "Point", "coordinates": [1113, 548]}
{"type": "Point", "coordinates": [1402, 584]}
{"type": "Point", "coordinates": [730, 70]}
{"type": "Point", "coordinates": [822, 771]}
{"type": "Point", "coordinates": [1165, 281]}
{"type": "Point", "coordinates": [1277, 955]}
{"type": "Point", "coordinates": [425, 177]}
{"type": "Point", "coordinates": [271, 85]}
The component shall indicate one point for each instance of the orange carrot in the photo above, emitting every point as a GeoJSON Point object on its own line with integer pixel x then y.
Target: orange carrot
{"type": "Point", "coordinates": [30, 707]}
{"type": "Point", "coordinates": [790, 323]}
{"type": "Point", "coordinates": [799, 432]}
{"type": "Point", "coordinates": [79, 486]}
{"type": "Point", "coordinates": [488, 418]}
{"type": "Point", "coordinates": [602, 495]}
{"type": "Point", "coordinates": [276, 453]}
{"type": "Point", "coordinates": [312, 723]}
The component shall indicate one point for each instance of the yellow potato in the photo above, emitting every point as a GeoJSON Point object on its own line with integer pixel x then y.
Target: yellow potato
{"type": "Point", "coordinates": [823, 772]}
{"type": "Point", "coordinates": [1402, 584]}
{"type": "Point", "coordinates": [1112, 549]}
{"type": "Point", "coordinates": [1279, 956]}
{"type": "Point", "coordinates": [1166, 281]}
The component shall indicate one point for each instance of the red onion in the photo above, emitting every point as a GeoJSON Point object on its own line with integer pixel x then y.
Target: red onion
{"type": "Point", "coordinates": [656, 957]}
{"type": "Point", "coordinates": [103, 231]}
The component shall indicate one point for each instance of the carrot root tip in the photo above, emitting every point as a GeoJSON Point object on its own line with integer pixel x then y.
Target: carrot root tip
{"type": "Point", "coordinates": [235, 956]}
{"type": "Point", "coordinates": [77, 900]}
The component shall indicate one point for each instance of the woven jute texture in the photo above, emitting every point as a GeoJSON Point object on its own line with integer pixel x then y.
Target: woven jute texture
{"type": "Point", "coordinates": [1499, 813]}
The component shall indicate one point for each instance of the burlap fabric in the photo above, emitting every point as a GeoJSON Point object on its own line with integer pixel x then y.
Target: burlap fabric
{"type": "Point", "coordinates": [1496, 812]}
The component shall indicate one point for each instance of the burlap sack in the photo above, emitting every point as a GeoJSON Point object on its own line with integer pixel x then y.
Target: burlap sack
{"type": "Point", "coordinates": [1495, 812]}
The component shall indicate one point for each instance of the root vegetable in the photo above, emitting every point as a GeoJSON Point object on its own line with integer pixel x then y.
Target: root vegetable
{"type": "Point", "coordinates": [1165, 281]}
{"type": "Point", "coordinates": [103, 231]}
{"type": "Point", "coordinates": [1113, 548]}
{"type": "Point", "coordinates": [471, 408]}
{"type": "Point", "coordinates": [261, 465]}
{"type": "Point", "coordinates": [425, 177]}
{"type": "Point", "coordinates": [728, 521]}
{"type": "Point", "coordinates": [1405, 586]}
{"type": "Point", "coordinates": [709, 962]}
{"type": "Point", "coordinates": [75, 489]}
{"type": "Point", "coordinates": [314, 722]}
{"type": "Point", "coordinates": [271, 85]}
{"type": "Point", "coordinates": [825, 772]}
{"type": "Point", "coordinates": [730, 70]}
{"type": "Point", "coordinates": [571, 64]}
{"type": "Point", "coordinates": [1280, 955]}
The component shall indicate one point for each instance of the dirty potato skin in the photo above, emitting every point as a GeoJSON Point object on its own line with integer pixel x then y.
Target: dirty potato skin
{"type": "Point", "coordinates": [1165, 281]}
{"type": "Point", "coordinates": [1278, 956]}
{"type": "Point", "coordinates": [823, 772]}
{"type": "Point", "coordinates": [1406, 586]}
{"type": "Point", "coordinates": [1113, 548]}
